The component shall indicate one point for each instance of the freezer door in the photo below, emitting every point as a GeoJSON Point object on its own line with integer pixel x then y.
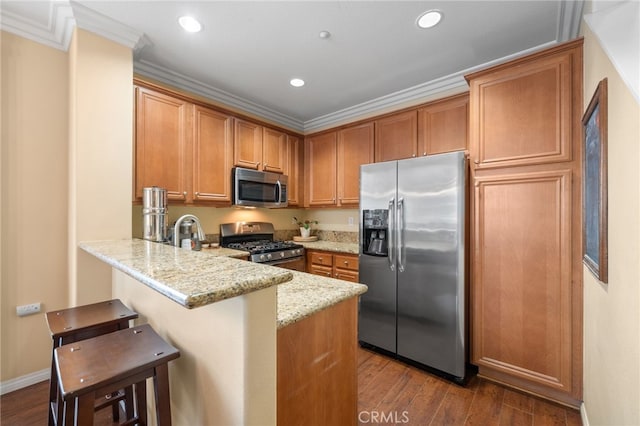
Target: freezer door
{"type": "Point", "coordinates": [431, 276]}
{"type": "Point", "coordinates": [377, 314]}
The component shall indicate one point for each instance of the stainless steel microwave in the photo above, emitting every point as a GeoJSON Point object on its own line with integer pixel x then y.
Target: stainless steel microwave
{"type": "Point", "coordinates": [254, 188]}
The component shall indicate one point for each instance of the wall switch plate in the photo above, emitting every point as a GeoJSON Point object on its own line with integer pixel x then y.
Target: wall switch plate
{"type": "Point", "coordinates": [32, 308]}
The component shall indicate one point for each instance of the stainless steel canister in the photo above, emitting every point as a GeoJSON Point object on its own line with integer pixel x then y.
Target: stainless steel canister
{"type": "Point", "coordinates": [155, 215]}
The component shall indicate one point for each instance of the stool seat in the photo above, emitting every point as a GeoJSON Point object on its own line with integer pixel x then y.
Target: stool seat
{"type": "Point", "coordinates": [106, 363]}
{"type": "Point", "coordinates": [74, 324]}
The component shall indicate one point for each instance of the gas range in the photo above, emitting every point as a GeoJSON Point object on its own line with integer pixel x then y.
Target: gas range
{"type": "Point", "coordinates": [257, 239]}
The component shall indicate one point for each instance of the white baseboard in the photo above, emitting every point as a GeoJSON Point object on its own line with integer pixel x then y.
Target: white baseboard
{"type": "Point", "coordinates": [24, 381]}
{"type": "Point", "coordinates": [583, 415]}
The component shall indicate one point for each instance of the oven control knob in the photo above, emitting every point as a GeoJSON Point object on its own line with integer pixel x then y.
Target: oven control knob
{"type": "Point", "coordinates": [262, 257]}
{"type": "Point", "coordinates": [269, 256]}
{"type": "Point", "coordinates": [281, 254]}
{"type": "Point", "coordinates": [298, 251]}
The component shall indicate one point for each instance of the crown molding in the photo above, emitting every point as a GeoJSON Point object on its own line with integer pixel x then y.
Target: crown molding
{"type": "Point", "coordinates": [183, 82]}
{"type": "Point", "coordinates": [569, 18]}
{"type": "Point", "coordinates": [55, 33]}
{"type": "Point", "coordinates": [102, 25]}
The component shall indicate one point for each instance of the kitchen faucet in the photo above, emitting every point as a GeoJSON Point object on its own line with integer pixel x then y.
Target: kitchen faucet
{"type": "Point", "coordinates": [176, 229]}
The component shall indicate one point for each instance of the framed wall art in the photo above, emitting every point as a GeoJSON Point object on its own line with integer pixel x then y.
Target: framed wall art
{"type": "Point", "coordinates": [594, 184]}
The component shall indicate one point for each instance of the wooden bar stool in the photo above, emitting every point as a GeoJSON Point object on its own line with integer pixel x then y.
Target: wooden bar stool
{"type": "Point", "coordinates": [79, 323]}
{"type": "Point", "coordinates": [106, 363]}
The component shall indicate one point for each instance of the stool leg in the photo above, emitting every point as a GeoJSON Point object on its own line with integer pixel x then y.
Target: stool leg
{"type": "Point", "coordinates": [67, 417]}
{"type": "Point", "coordinates": [115, 409]}
{"type": "Point", "coordinates": [163, 401]}
{"type": "Point", "coordinates": [128, 402]}
{"type": "Point", "coordinates": [85, 409]}
{"type": "Point", "coordinates": [141, 401]}
{"type": "Point", "coordinates": [53, 393]}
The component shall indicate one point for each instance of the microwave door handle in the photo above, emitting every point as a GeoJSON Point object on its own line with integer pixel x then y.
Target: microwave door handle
{"type": "Point", "coordinates": [392, 232]}
{"type": "Point", "coordinates": [279, 193]}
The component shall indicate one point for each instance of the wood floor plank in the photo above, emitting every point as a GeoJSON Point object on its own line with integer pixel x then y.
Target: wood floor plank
{"type": "Point", "coordinates": [486, 405]}
{"type": "Point", "coordinates": [511, 416]}
{"type": "Point", "coordinates": [519, 400]}
{"type": "Point", "coordinates": [549, 414]}
{"type": "Point", "coordinates": [425, 404]}
{"type": "Point", "coordinates": [455, 407]}
{"type": "Point", "coordinates": [377, 389]}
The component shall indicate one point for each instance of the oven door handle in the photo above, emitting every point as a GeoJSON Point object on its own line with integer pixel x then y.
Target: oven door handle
{"type": "Point", "coordinates": [280, 262]}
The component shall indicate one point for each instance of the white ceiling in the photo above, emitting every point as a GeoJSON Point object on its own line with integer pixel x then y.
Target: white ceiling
{"type": "Point", "coordinates": [248, 51]}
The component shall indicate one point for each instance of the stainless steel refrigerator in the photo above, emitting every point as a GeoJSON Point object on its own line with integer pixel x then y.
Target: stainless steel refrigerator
{"type": "Point", "coordinates": [412, 257]}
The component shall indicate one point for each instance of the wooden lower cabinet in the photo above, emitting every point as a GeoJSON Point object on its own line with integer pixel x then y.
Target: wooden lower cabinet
{"type": "Point", "coordinates": [317, 368]}
{"type": "Point", "coordinates": [342, 266]}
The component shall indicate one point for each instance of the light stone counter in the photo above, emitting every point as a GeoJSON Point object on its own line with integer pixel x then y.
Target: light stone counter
{"type": "Point", "coordinates": [337, 247]}
{"type": "Point", "coordinates": [190, 278]}
{"type": "Point", "coordinates": [307, 294]}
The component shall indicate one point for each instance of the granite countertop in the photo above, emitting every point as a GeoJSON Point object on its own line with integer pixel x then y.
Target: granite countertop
{"type": "Point", "coordinates": [351, 248]}
{"type": "Point", "coordinates": [307, 294]}
{"type": "Point", "coordinates": [190, 278]}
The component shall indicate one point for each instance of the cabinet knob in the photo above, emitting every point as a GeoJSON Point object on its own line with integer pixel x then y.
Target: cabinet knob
{"type": "Point", "coordinates": [258, 164]}
{"type": "Point", "coordinates": [413, 155]}
{"type": "Point", "coordinates": [424, 153]}
{"type": "Point", "coordinates": [197, 194]}
{"type": "Point", "coordinates": [476, 161]}
{"type": "Point", "coordinates": [184, 193]}
{"type": "Point", "coordinates": [337, 275]}
{"type": "Point", "coordinates": [328, 274]}
{"type": "Point", "coordinates": [346, 262]}
{"type": "Point", "coordinates": [265, 165]}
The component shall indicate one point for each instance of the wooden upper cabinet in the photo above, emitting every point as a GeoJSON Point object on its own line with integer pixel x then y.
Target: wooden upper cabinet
{"type": "Point", "coordinates": [396, 136]}
{"type": "Point", "coordinates": [162, 143]}
{"type": "Point", "coordinates": [355, 147]}
{"type": "Point", "coordinates": [294, 170]}
{"type": "Point", "coordinates": [321, 169]}
{"type": "Point", "coordinates": [274, 150]}
{"type": "Point", "coordinates": [247, 150]}
{"type": "Point", "coordinates": [212, 155]}
{"type": "Point", "coordinates": [523, 116]}
{"type": "Point", "coordinates": [442, 126]}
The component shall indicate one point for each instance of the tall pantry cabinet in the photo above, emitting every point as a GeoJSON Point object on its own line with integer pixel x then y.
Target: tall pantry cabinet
{"type": "Point", "coordinates": [525, 156]}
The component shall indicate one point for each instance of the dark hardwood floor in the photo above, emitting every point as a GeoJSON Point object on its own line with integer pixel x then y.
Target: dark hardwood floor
{"type": "Point", "coordinates": [389, 393]}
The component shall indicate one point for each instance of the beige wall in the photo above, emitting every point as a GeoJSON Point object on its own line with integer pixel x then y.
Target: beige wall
{"type": "Point", "coordinates": [66, 177]}
{"type": "Point", "coordinates": [611, 311]}
{"type": "Point", "coordinates": [34, 198]}
{"type": "Point", "coordinates": [100, 152]}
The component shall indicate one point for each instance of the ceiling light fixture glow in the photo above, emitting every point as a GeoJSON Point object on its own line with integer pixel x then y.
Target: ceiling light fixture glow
{"type": "Point", "coordinates": [190, 24]}
{"type": "Point", "coordinates": [296, 82]}
{"type": "Point", "coordinates": [429, 19]}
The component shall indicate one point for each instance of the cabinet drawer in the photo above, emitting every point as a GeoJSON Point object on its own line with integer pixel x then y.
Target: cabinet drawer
{"type": "Point", "coordinates": [346, 262]}
{"type": "Point", "coordinates": [325, 271]}
{"type": "Point", "coordinates": [346, 275]}
{"type": "Point", "coordinates": [322, 259]}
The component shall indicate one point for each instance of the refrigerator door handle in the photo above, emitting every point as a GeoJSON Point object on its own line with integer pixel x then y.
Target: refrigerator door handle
{"type": "Point", "coordinates": [400, 231]}
{"type": "Point", "coordinates": [392, 234]}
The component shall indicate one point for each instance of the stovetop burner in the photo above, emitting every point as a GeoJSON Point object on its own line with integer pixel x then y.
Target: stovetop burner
{"type": "Point", "coordinates": [263, 246]}
{"type": "Point", "coordinates": [257, 239]}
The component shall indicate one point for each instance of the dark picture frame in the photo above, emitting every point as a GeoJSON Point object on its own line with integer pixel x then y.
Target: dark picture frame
{"type": "Point", "coordinates": [594, 185]}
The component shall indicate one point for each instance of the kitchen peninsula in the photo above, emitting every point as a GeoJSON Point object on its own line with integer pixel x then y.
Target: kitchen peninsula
{"type": "Point", "coordinates": [240, 328]}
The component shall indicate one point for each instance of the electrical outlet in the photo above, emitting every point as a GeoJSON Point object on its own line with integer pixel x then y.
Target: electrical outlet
{"type": "Point", "coordinates": [350, 220]}
{"type": "Point", "coordinates": [32, 308]}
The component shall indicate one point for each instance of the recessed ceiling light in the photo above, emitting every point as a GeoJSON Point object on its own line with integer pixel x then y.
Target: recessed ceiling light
{"type": "Point", "coordinates": [190, 24]}
{"type": "Point", "coordinates": [297, 82]}
{"type": "Point", "coordinates": [429, 19]}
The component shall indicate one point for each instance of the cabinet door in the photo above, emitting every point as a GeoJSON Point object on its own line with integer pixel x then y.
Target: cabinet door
{"type": "Point", "coordinates": [523, 116]}
{"type": "Point", "coordinates": [321, 170]}
{"type": "Point", "coordinates": [247, 149]}
{"type": "Point", "coordinates": [212, 155]}
{"type": "Point", "coordinates": [522, 291]}
{"type": "Point", "coordinates": [294, 167]}
{"type": "Point", "coordinates": [162, 138]}
{"type": "Point", "coordinates": [397, 137]}
{"type": "Point", "coordinates": [274, 150]}
{"type": "Point", "coordinates": [355, 147]}
{"type": "Point", "coordinates": [442, 126]}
